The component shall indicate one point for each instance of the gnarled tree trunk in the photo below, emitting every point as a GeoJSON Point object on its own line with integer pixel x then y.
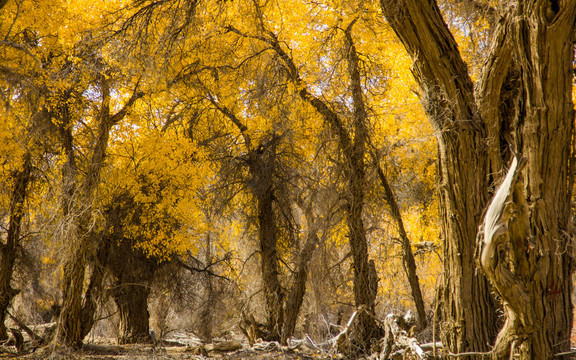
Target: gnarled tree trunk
{"type": "Point", "coordinates": [448, 100]}
{"type": "Point", "coordinates": [78, 199]}
{"type": "Point", "coordinates": [524, 248]}
{"type": "Point", "coordinates": [133, 272]}
{"type": "Point", "coordinates": [524, 95]}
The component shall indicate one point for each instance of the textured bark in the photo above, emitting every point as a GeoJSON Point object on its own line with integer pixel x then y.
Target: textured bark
{"type": "Point", "coordinates": [296, 295]}
{"type": "Point", "coordinates": [133, 273]}
{"type": "Point", "coordinates": [531, 265]}
{"type": "Point", "coordinates": [262, 167]}
{"type": "Point", "coordinates": [524, 100]}
{"type": "Point", "coordinates": [365, 278]}
{"type": "Point", "coordinates": [77, 205]}
{"type": "Point", "coordinates": [132, 302]}
{"type": "Point", "coordinates": [448, 99]}
{"type": "Point", "coordinates": [9, 250]}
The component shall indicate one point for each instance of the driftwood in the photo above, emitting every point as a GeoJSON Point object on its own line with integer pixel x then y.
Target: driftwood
{"type": "Point", "coordinates": [252, 329]}
{"type": "Point", "coordinates": [339, 342]}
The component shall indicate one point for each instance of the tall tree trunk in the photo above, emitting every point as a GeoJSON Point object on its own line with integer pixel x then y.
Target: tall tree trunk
{"type": "Point", "coordinates": [9, 251]}
{"type": "Point", "coordinates": [78, 211]}
{"type": "Point", "coordinates": [448, 99]}
{"type": "Point", "coordinates": [524, 248]}
{"type": "Point", "coordinates": [262, 165]}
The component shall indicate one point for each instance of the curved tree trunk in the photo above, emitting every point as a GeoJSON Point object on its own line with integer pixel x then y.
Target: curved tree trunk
{"type": "Point", "coordinates": [525, 94]}
{"type": "Point", "coordinates": [78, 199]}
{"type": "Point", "coordinates": [448, 100]}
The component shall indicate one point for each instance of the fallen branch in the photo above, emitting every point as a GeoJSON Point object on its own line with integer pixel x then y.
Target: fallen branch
{"type": "Point", "coordinates": [28, 331]}
{"type": "Point", "coordinates": [571, 352]}
{"type": "Point", "coordinates": [482, 354]}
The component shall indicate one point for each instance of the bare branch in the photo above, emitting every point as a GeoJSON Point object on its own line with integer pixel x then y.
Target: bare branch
{"type": "Point", "coordinates": [122, 112]}
{"type": "Point", "coordinates": [232, 117]}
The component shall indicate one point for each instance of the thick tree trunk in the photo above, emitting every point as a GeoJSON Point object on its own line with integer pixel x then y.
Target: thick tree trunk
{"type": "Point", "coordinates": [468, 308]}
{"type": "Point", "coordinates": [526, 238]}
{"type": "Point", "coordinates": [133, 272]}
{"type": "Point", "coordinates": [524, 95]}
{"type": "Point", "coordinates": [132, 302]}
{"type": "Point", "coordinates": [9, 251]}
{"type": "Point", "coordinates": [448, 99]}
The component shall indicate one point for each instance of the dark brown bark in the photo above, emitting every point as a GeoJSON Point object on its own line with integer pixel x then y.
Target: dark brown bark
{"type": "Point", "coordinates": [262, 165]}
{"type": "Point", "coordinates": [298, 289]}
{"type": "Point", "coordinates": [448, 99]}
{"type": "Point", "coordinates": [133, 272]}
{"type": "Point", "coordinates": [9, 250]}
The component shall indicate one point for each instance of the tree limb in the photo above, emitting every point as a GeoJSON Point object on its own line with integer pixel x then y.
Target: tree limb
{"type": "Point", "coordinates": [438, 66]}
